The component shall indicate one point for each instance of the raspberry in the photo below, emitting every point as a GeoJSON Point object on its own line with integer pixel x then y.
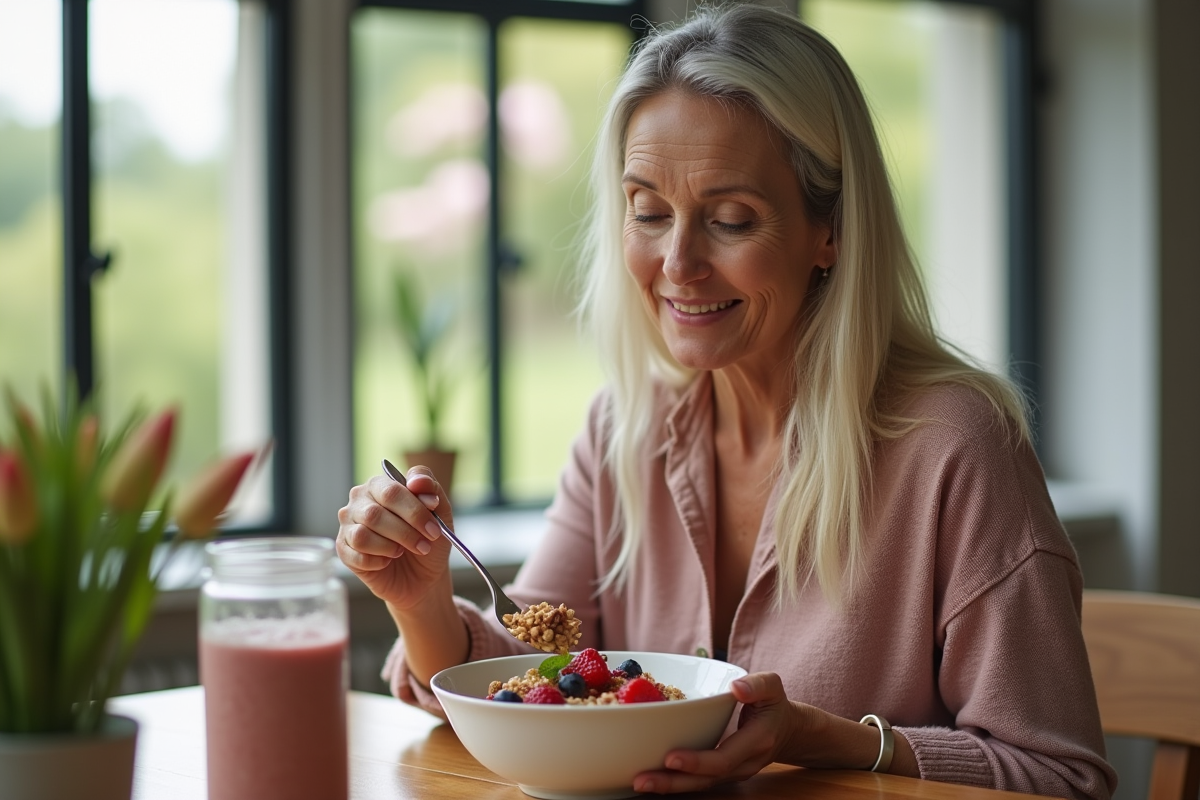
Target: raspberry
{"type": "Point", "coordinates": [638, 690]}
{"type": "Point", "coordinates": [590, 666]}
{"type": "Point", "coordinates": [544, 695]}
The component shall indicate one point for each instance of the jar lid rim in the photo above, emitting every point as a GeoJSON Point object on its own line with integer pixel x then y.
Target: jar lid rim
{"type": "Point", "coordinates": [272, 558]}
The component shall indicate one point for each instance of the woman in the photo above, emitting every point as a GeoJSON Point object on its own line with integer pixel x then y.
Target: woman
{"type": "Point", "coordinates": [788, 470]}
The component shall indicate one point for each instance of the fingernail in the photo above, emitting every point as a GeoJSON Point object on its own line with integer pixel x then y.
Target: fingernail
{"type": "Point", "coordinates": [429, 500]}
{"type": "Point", "coordinates": [674, 762]}
{"type": "Point", "coordinates": [742, 685]}
{"type": "Point", "coordinates": [424, 547]}
{"type": "Point", "coordinates": [432, 530]}
{"type": "Point", "coordinates": [645, 785]}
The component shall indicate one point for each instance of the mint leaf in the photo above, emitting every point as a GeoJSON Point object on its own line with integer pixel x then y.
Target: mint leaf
{"type": "Point", "coordinates": [549, 668]}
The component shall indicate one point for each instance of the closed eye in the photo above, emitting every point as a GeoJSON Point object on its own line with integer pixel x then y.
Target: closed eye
{"type": "Point", "coordinates": [649, 217]}
{"type": "Point", "coordinates": [734, 227]}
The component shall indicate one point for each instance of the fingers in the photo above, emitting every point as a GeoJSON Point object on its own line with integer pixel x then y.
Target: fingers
{"type": "Point", "coordinates": [384, 519]}
{"type": "Point", "coordinates": [739, 757]}
{"type": "Point", "coordinates": [765, 726]}
{"type": "Point", "coordinates": [423, 484]}
{"type": "Point", "coordinates": [695, 770]}
{"type": "Point", "coordinates": [759, 687]}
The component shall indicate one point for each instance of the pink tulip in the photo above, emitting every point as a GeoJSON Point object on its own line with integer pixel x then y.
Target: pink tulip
{"type": "Point", "coordinates": [28, 425]}
{"type": "Point", "coordinates": [85, 444]}
{"type": "Point", "coordinates": [203, 500]}
{"type": "Point", "coordinates": [137, 466]}
{"type": "Point", "coordinates": [18, 506]}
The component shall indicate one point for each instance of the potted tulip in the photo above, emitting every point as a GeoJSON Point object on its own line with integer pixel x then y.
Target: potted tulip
{"type": "Point", "coordinates": [81, 548]}
{"type": "Point", "coordinates": [424, 328]}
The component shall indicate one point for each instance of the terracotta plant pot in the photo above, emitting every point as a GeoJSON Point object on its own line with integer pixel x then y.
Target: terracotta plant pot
{"type": "Point", "coordinates": [54, 766]}
{"type": "Point", "coordinates": [441, 462]}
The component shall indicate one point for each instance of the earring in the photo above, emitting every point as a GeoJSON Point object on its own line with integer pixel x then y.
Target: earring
{"type": "Point", "coordinates": [825, 273]}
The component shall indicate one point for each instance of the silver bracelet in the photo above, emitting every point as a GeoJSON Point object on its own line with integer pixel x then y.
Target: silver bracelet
{"type": "Point", "coordinates": [887, 741]}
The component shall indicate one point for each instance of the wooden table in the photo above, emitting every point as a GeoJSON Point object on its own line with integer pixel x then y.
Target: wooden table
{"type": "Point", "coordinates": [397, 751]}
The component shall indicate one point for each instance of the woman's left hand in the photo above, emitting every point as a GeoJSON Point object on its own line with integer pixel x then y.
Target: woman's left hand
{"type": "Point", "coordinates": [768, 723]}
{"type": "Point", "coordinates": [772, 728]}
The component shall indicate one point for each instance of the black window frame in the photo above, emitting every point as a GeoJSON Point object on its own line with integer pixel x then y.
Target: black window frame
{"type": "Point", "coordinates": [81, 264]}
{"type": "Point", "coordinates": [1023, 268]}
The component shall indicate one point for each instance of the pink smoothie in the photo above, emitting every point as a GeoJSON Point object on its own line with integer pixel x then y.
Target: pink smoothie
{"type": "Point", "coordinates": [276, 717]}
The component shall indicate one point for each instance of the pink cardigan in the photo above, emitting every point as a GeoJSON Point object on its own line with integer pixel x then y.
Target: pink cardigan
{"type": "Point", "coordinates": [965, 634]}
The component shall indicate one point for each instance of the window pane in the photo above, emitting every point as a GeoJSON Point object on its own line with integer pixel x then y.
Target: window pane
{"type": "Point", "coordinates": [182, 315]}
{"type": "Point", "coordinates": [30, 201]}
{"type": "Point", "coordinates": [556, 79]}
{"type": "Point", "coordinates": [420, 207]}
{"type": "Point", "coordinates": [933, 75]}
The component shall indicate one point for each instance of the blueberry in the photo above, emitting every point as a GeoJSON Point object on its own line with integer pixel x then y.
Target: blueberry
{"type": "Point", "coordinates": [505, 696]}
{"type": "Point", "coordinates": [631, 668]}
{"type": "Point", "coordinates": [572, 685]}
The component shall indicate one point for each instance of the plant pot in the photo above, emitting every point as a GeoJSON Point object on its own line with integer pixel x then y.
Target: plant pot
{"type": "Point", "coordinates": [56, 766]}
{"type": "Point", "coordinates": [441, 462]}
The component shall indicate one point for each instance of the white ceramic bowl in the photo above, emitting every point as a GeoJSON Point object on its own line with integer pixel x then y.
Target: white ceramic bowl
{"type": "Point", "coordinates": [567, 752]}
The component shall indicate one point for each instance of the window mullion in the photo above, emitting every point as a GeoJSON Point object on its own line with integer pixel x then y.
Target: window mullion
{"type": "Point", "coordinates": [278, 156]}
{"type": "Point", "coordinates": [1024, 290]}
{"type": "Point", "coordinates": [78, 262]}
{"type": "Point", "coordinates": [494, 312]}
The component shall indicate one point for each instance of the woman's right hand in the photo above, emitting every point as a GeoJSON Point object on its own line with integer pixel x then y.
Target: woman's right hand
{"type": "Point", "coordinates": [388, 537]}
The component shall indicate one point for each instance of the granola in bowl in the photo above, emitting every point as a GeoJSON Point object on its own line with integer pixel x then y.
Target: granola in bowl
{"type": "Point", "coordinates": [584, 680]}
{"type": "Point", "coordinates": [598, 750]}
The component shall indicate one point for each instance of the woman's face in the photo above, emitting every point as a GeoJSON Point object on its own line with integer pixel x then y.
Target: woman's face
{"type": "Point", "coordinates": [716, 233]}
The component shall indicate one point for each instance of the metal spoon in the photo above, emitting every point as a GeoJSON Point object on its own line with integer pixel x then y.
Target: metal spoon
{"type": "Point", "coordinates": [500, 601]}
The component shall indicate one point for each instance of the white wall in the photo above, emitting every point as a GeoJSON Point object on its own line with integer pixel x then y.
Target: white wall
{"type": "Point", "coordinates": [1122, 259]}
{"type": "Point", "coordinates": [1099, 258]}
{"type": "Point", "coordinates": [321, 305]}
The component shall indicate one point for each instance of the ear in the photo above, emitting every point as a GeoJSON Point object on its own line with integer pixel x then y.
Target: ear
{"type": "Point", "coordinates": [827, 249]}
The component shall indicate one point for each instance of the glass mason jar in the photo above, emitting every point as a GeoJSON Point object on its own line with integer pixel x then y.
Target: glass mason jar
{"type": "Point", "coordinates": [274, 665]}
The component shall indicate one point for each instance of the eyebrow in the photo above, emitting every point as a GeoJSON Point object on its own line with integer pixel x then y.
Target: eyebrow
{"type": "Point", "coordinates": [629, 177]}
{"type": "Point", "coordinates": [714, 191]}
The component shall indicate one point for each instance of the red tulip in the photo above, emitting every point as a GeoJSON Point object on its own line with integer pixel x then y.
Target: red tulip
{"type": "Point", "coordinates": [18, 506]}
{"type": "Point", "coordinates": [203, 500]}
{"type": "Point", "coordinates": [137, 466]}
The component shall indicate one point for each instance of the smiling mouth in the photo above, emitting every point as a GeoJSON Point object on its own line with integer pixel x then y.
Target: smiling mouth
{"type": "Point", "coordinates": [706, 308]}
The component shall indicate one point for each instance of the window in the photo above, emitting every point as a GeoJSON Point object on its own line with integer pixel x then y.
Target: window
{"type": "Point", "coordinates": [472, 131]}
{"type": "Point", "coordinates": [949, 84]}
{"type": "Point", "coordinates": [31, 319]}
{"type": "Point", "coordinates": [155, 113]}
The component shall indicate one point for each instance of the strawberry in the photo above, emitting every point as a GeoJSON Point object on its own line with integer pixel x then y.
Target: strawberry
{"type": "Point", "coordinates": [544, 695]}
{"type": "Point", "coordinates": [639, 690]}
{"type": "Point", "coordinates": [590, 666]}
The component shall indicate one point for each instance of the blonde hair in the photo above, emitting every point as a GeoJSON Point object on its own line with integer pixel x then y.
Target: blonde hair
{"type": "Point", "coordinates": [869, 339]}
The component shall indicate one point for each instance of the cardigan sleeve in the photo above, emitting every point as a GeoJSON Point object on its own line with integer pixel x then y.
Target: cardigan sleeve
{"type": "Point", "coordinates": [561, 570]}
{"type": "Point", "coordinates": [1015, 671]}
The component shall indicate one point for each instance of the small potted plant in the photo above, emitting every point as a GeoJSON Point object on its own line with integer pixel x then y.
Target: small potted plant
{"type": "Point", "coordinates": [424, 327]}
{"type": "Point", "coordinates": [81, 548]}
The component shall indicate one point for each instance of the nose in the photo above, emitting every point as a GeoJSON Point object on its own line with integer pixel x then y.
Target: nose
{"type": "Point", "coordinates": [686, 259]}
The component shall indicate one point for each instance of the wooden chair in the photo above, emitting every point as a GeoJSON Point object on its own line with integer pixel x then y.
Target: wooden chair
{"type": "Point", "coordinates": [1145, 655]}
